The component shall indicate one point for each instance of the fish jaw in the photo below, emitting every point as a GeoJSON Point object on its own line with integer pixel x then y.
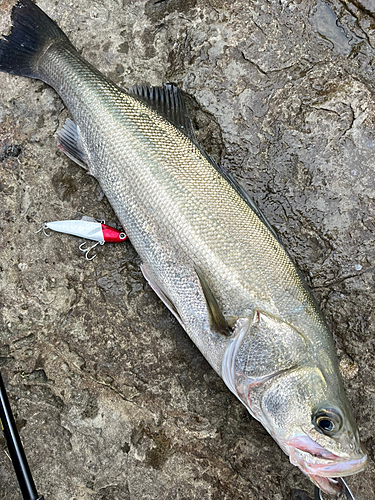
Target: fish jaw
{"type": "Point", "coordinates": [323, 467]}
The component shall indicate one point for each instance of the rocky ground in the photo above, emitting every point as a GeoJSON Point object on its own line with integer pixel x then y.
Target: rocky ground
{"type": "Point", "coordinates": [112, 400]}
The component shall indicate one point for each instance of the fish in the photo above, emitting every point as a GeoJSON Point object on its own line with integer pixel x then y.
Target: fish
{"type": "Point", "coordinates": [206, 249]}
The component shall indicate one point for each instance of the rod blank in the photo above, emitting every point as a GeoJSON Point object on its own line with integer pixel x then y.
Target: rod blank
{"type": "Point", "coordinates": [15, 448]}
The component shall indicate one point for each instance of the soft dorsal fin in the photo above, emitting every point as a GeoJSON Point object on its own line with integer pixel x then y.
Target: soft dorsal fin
{"type": "Point", "coordinates": [169, 102]}
{"type": "Point", "coordinates": [217, 320]}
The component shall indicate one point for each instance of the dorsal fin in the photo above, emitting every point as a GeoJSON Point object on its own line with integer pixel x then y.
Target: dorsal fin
{"type": "Point", "coordinates": [169, 102]}
{"type": "Point", "coordinates": [245, 196]}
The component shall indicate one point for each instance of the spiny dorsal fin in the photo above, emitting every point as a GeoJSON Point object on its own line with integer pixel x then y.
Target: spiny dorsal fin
{"type": "Point", "coordinates": [217, 320]}
{"type": "Point", "coordinates": [70, 143]}
{"type": "Point", "coordinates": [169, 102]}
{"type": "Point", "coordinates": [244, 195]}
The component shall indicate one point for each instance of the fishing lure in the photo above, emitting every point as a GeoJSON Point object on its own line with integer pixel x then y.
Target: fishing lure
{"type": "Point", "coordinates": [87, 228]}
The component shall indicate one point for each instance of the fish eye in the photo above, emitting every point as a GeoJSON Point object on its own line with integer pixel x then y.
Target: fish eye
{"type": "Point", "coordinates": [325, 424]}
{"type": "Point", "coordinates": [327, 421]}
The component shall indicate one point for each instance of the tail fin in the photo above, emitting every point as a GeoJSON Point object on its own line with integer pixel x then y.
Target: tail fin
{"type": "Point", "coordinates": [32, 32]}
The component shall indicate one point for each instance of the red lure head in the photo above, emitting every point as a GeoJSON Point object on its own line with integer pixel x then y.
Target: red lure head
{"type": "Point", "coordinates": [112, 235]}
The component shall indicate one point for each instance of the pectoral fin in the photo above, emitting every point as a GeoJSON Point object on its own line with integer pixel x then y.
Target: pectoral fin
{"type": "Point", "coordinates": [217, 320]}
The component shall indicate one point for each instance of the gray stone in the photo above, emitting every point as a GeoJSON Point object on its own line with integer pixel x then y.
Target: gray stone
{"type": "Point", "coordinates": [112, 399]}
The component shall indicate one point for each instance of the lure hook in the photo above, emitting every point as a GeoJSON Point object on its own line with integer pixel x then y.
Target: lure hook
{"type": "Point", "coordinates": [317, 493]}
{"type": "Point", "coordinates": [345, 495]}
{"type": "Point", "coordinates": [43, 228]}
{"type": "Point", "coordinates": [88, 250]}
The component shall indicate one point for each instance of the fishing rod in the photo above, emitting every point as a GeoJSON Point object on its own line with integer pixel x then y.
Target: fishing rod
{"type": "Point", "coordinates": [16, 451]}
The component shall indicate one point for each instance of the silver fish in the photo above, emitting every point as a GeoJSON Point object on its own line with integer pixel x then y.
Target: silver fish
{"type": "Point", "coordinates": [206, 249]}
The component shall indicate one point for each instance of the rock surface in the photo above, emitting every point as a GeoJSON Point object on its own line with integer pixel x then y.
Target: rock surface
{"type": "Point", "coordinates": [112, 400]}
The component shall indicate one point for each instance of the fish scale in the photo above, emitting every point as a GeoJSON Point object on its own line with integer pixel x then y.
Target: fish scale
{"type": "Point", "coordinates": [206, 250]}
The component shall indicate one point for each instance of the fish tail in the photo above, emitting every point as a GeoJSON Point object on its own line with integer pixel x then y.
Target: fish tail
{"type": "Point", "coordinates": [32, 33]}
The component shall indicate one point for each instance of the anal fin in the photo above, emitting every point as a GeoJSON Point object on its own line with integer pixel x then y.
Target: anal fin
{"type": "Point", "coordinates": [70, 143]}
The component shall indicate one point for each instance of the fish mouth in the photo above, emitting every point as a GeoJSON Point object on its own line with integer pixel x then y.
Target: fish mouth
{"type": "Point", "coordinates": [323, 467]}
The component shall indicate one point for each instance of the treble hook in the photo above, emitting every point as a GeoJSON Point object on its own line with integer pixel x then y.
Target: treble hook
{"type": "Point", "coordinates": [87, 250]}
{"type": "Point", "coordinates": [43, 228]}
{"type": "Point", "coordinates": [345, 491]}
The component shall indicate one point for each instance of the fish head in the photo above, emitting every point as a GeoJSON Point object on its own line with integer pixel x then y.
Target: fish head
{"type": "Point", "coordinates": [297, 396]}
{"type": "Point", "coordinates": [314, 426]}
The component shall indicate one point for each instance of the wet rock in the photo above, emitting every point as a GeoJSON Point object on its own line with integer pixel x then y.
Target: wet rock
{"type": "Point", "coordinates": [114, 400]}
